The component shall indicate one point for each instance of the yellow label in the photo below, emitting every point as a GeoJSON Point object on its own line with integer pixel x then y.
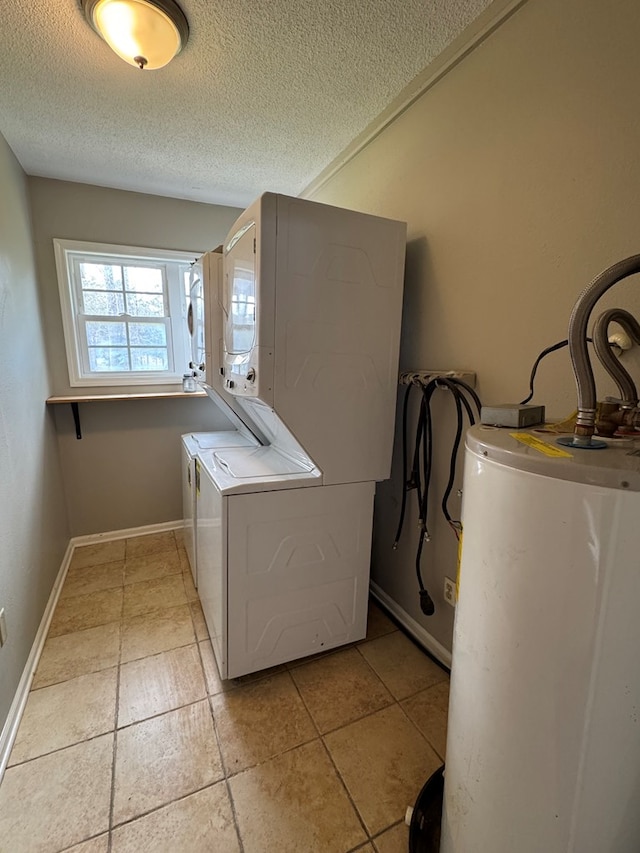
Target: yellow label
{"type": "Point", "coordinates": [540, 445]}
{"type": "Point", "coordinates": [458, 566]}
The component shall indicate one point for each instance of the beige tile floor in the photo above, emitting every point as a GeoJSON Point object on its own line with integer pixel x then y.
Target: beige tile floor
{"type": "Point", "coordinates": [131, 743]}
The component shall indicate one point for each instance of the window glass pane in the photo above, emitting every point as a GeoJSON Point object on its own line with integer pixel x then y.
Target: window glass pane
{"type": "Point", "coordinates": [106, 334]}
{"type": "Point", "coordinates": [141, 305]}
{"type": "Point", "coordinates": [149, 359]}
{"type": "Point", "coordinates": [110, 304]}
{"type": "Point", "coordinates": [103, 359]}
{"type": "Point", "coordinates": [148, 334]}
{"type": "Point", "coordinates": [143, 279]}
{"type": "Point", "coordinates": [101, 276]}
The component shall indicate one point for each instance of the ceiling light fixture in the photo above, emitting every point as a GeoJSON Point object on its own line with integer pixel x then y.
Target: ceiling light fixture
{"type": "Point", "coordinates": [145, 33]}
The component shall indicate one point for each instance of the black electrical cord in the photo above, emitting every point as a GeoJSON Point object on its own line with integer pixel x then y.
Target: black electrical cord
{"type": "Point", "coordinates": [422, 464]}
{"type": "Point", "coordinates": [469, 391]}
{"type": "Point", "coordinates": [543, 354]}
{"type": "Point", "coordinates": [427, 456]}
{"type": "Point", "coordinates": [405, 484]}
{"type": "Point", "coordinates": [460, 401]}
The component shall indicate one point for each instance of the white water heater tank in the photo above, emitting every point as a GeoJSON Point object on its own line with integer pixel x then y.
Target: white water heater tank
{"type": "Point", "coordinates": [543, 748]}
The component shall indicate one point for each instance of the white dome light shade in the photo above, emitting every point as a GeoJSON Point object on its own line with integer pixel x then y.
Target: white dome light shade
{"type": "Point", "coordinates": [145, 33]}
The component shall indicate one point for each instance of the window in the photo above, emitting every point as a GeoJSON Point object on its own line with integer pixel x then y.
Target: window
{"type": "Point", "coordinates": [124, 313]}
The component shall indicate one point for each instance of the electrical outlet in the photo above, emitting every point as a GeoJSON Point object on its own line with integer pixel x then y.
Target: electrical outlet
{"type": "Point", "coordinates": [450, 591]}
{"type": "Point", "coordinates": [3, 628]}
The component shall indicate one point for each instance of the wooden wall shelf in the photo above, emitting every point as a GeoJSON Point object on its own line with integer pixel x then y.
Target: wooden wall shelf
{"type": "Point", "coordinates": [75, 399]}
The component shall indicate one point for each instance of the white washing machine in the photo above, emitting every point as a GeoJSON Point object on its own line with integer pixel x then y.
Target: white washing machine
{"type": "Point", "coordinates": [283, 561]}
{"type": "Point", "coordinates": [192, 444]}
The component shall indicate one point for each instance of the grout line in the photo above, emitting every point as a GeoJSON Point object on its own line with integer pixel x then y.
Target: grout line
{"type": "Point", "coordinates": [232, 804]}
{"type": "Point", "coordinates": [360, 718]}
{"type": "Point", "coordinates": [230, 773]}
{"type": "Point", "coordinates": [60, 749]}
{"type": "Point", "coordinates": [346, 790]}
{"type": "Point", "coordinates": [115, 719]}
{"type": "Point", "coordinates": [363, 846]}
{"type": "Point", "coordinates": [233, 773]}
{"type": "Point", "coordinates": [378, 835]}
{"type": "Point", "coordinates": [165, 805]}
{"type": "Point", "coordinates": [420, 732]}
{"type": "Point", "coordinates": [115, 740]}
{"type": "Point", "coordinates": [333, 764]}
{"type": "Point", "coordinates": [163, 713]}
{"type": "Point", "coordinates": [423, 689]}
{"type": "Point", "coordinates": [153, 654]}
{"type": "Point", "coordinates": [73, 677]}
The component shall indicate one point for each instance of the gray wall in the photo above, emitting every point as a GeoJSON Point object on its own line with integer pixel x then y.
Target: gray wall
{"type": "Point", "coordinates": [125, 471]}
{"type": "Point", "coordinates": [518, 174]}
{"type": "Point", "coordinates": [33, 525]}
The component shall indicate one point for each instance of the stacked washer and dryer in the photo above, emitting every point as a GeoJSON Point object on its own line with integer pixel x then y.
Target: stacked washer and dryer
{"type": "Point", "coordinates": [302, 314]}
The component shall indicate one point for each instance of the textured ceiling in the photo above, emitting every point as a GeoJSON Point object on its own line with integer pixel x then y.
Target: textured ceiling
{"type": "Point", "coordinates": [264, 96]}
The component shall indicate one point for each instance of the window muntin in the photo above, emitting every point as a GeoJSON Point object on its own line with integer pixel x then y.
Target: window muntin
{"type": "Point", "coordinates": [124, 313]}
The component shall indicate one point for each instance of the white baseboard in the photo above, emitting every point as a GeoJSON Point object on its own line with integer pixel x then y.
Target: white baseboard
{"type": "Point", "coordinates": [420, 634]}
{"type": "Point", "coordinates": [111, 535]}
{"type": "Point", "coordinates": [10, 728]}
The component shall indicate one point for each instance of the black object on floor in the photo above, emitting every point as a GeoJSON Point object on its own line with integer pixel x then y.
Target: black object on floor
{"type": "Point", "coordinates": [424, 830]}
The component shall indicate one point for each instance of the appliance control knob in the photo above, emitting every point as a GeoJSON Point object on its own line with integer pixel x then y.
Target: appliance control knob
{"type": "Point", "coordinates": [251, 375]}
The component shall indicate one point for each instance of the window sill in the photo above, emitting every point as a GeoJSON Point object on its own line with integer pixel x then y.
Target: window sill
{"type": "Point", "coordinates": [74, 399]}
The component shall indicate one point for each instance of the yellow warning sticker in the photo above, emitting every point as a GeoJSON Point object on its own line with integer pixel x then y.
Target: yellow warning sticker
{"type": "Point", "coordinates": [540, 445]}
{"type": "Point", "coordinates": [458, 566]}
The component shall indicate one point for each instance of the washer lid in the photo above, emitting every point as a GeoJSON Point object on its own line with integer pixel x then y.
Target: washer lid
{"type": "Point", "coordinates": [197, 441]}
{"type": "Point", "coordinates": [258, 462]}
{"type": "Point", "coordinates": [537, 451]}
{"type": "Point", "coordinates": [260, 469]}
{"type": "Point", "coordinates": [227, 438]}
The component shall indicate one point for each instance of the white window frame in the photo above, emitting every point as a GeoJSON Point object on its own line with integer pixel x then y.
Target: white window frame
{"type": "Point", "coordinates": [68, 253]}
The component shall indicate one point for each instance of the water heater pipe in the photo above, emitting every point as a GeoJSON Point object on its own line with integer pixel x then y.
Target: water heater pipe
{"type": "Point", "coordinates": [585, 383]}
{"type": "Point", "coordinates": [602, 345]}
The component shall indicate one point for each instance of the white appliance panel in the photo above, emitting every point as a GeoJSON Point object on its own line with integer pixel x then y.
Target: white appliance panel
{"type": "Point", "coordinates": [298, 573]}
{"type": "Point", "coordinates": [212, 563]}
{"type": "Point", "coordinates": [192, 444]}
{"type": "Point", "coordinates": [543, 744]}
{"type": "Point", "coordinates": [188, 508]}
{"type": "Point", "coordinates": [339, 297]}
{"type": "Point", "coordinates": [249, 296]}
{"type": "Point", "coordinates": [326, 361]}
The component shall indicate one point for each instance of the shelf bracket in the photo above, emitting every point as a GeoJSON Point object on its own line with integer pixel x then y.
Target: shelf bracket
{"type": "Point", "coordinates": [76, 419]}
